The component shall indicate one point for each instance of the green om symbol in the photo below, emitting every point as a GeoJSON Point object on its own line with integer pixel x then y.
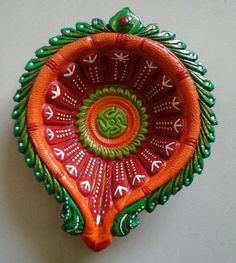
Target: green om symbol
{"type": "Point", "coordinates": [111, 122]}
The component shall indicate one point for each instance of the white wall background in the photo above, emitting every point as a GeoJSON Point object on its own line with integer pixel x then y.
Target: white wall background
{"type": "Point", "coordinates": [198, 224]}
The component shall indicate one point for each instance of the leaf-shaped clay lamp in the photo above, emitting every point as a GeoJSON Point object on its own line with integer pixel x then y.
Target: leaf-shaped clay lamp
{"type": "Point", "coordinates": [114, 119]}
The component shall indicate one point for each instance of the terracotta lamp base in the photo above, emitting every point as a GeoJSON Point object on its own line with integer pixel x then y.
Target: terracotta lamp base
{"type": "Point", "coordinates": [114, 118]}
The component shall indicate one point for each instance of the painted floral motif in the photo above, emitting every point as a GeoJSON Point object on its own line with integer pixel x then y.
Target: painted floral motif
{"type": "Point", "coordinates": [131, 123]}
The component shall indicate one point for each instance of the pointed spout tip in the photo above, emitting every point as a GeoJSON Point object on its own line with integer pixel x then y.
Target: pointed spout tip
{"type": "Point", "coordinates": [97, 240]}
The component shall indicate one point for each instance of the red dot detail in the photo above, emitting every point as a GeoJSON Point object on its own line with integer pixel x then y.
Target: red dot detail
{"type": "Point", "coordinates": [124, 20]}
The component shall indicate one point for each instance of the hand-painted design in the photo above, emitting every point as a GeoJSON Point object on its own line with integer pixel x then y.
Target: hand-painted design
{"type": "Point", "coordinates": [152, 162]}
{"type": "Point", "coordinates": [128, 218]}
{"type": "Point", "coordinates": [163, 146]}
{"type": "Point", "coordinates": [92, 65]}
{"type": "Point", "coordinates": [158, 88]}
{"type": "Point", "coordinates": [120, 64]}
{"type": "Point", "coordinates": [66, 150]}
{"type": "Point", "coordinates": [168, 105]}
{"type": "Point", "coordinates": [72, 170]}
{"type": "Point", "coordinates": [59, 134]}
{"type": "Point", "coordinates": [136, 173]}
{"type": "Point", "coordinates": [55, 116]}
{"type": "Point", "coordinates": [169, 126]}
{"type": "Point", "coordinates": [76, 163]}
{"type": "Point", "coordinates": [121, 57]}
{"type": "Point", "coordinates": [72, 77]}
{"type": "Point", "coordinates": [70, 69]}
{"type": "Point", "coordinates": [126, 22]}
{"type": "Point", "coordinates": [90, 59]}
{"type": "Point", "coordinates": [120, 183]}
{"type": "Point", "coordinates": [58, 95]}
{"type": "Point", "coordinates": [97, 208]}
{"type": "Point", "coordinates": [146, 69]}
{"type": "Point", "coordinates": [134, 137]}
{"type": "Point", "coordinates": [112, 122]}
{"type": "Point", "coordinates": [87, 175]}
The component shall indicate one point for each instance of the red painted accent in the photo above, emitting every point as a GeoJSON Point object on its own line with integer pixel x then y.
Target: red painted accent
{"type": "Point", "coordinates": [158, 88]}
{"type": "Point", "coordinates": [66, 150]}
{"type": "Point", "coordinates": [33, 126]}
{"type": "Point", "coordinates": [142, 43]}
{"type": "Point", "coordinates": [87, 175]}
{"type": "Point", "coordinates": [191, 142]}
{"type": "Point", "coordinates": [106, 200]}
{"type": "Point", "coordinates": [52, 65]}
{"type": "Point", "coordinates": [167, 106]}
{"type": "Point", "coordinates": [146, 190]}
{"type": "Point", "coordinates": [59, 175]}
{"type": "Point", "coordinates": [124, 20]}
{"type": "Point", "coordinates": [182, 75]}
{"type": "Point", "coordinates": [76, 163]}
{"type": "Point", "coordinates": [97, 193]}
{"type": "Point", "coordinates": [121, 40]}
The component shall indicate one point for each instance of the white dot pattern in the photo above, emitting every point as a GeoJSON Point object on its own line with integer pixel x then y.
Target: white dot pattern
{"type": "Point", "coordinates": [154, 91]}
{"type": "Point", "coordinates": [80, 85]}
{"type": "Point", "coordinates": [149, 156]}
{"type": "Point", "coordinates": [63, 116]}
{"type": "Point", "coordinates": [162, 107]}
{"type": "Point", "coordinates": [78, 157]}
{"type": "Point", "coordinates": [72, 148]}
{"type": "Point", "coordinates": [165, 125]}
{"type": "Point", "coordinates": [158, 143]}
{"type": "Point", "coordinates": [69, 99]}
{"type": "Point", "coordinates": [62, 133]}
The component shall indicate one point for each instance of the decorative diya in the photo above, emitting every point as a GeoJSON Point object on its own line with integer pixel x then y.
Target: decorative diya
{"type": "Point", "coordinates": [114, 119]}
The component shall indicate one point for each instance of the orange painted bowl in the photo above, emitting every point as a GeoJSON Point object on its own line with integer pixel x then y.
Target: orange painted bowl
{"type": "Point", "coordinates": [112, 118]}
